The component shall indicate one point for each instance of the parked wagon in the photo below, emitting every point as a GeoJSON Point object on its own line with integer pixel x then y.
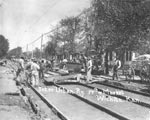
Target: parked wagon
{"type": "Point", "coordinates": [145, 72]}
{"type": "Point", "coordinates": [140, 66]}
{"type": "Point", "coordinates": [129, 72]}
{"type": "Point", "coordinates": [71, 67]}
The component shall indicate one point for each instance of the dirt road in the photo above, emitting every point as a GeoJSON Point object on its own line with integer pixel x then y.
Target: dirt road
{"type": "Point", "coordinates": [12, 106]}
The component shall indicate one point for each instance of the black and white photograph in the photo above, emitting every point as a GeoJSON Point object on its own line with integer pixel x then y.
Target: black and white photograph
{"type": "Point", "coordinates": [74, 59]}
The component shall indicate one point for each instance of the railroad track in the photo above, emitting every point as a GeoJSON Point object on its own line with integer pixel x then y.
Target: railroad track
{"type": "Point", "coordinates": [83, 102]}
{"type": "Point", "coordinates": [102, 111]}
{"type": "Point", "coordinates": [131, 93]}
{"type": "Point", "coordinates": [94, 104]}
{"type": "Point", "coordinates": [130, 102]}
{"type": "Point", "coordinates": [139, 100]}
{"type": "Point", "coordinates": [113, 86]}
{"type": "Point", "coordinates": [56, 111]}
{"type": "Point", "coordinates": [121, 88]}
{"type": "Point", "coordinates": [51, 106]}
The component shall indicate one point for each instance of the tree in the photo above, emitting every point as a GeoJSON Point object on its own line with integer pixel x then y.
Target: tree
{"type": "Point", "coordinates": [4, 46]}
{"type": "Point", "coordinates": [15, 52]}
{"type": "Point", "coordinates": [37, 52]}
{"type": "Point", "coordinates": [70, 27]}
{"type": "Point", "coordinates": [126, 22]}
{"type": "Point", "coordinates": [50, 49]}
{"type": "Point", "coordinates": [121, 25]}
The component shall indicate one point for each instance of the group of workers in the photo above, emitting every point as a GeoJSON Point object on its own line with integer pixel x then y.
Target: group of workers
{"type": "Point", "coordinates": [89, 66]}
{"type": "Point", "coordinates": [34, 70]}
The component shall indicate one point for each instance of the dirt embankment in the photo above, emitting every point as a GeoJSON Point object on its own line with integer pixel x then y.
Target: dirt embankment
{"type": "Point", "coordinates": [12, 106]}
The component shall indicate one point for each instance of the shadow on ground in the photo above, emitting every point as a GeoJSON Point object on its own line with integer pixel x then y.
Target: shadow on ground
{"type": "Point", "coordinates": [146, 89]}
{"type": "Point", "coordinates": [12, 94]}
{"type": "Point", "coordinates": [137, 81]}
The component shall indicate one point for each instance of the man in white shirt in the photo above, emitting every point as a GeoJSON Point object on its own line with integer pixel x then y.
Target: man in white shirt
{"type": "Point", "coordinates": [117, 65]}
{"type": "Point", "coordinates": [35, 73]}
{"type": "Point", "coordinates": [89, 69]}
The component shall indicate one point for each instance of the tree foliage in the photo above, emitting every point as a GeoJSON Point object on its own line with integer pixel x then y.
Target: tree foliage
{"type": "Point", "coordinates": [62, 41]}
{"type": "Point", "coordinates": [4, 46]}
{"type": "Point", "coordinates": [123, 24]}
{"type": "Point", "coordinates": [50, 49]}
{"type": "Point", "coordinates": [15, 52]}
{"type": "Point", "coordinates": [37, 52]}
{"type": "Point", "coordinates": [120, 25]}
{"type": "Point", "coordinates": [70, 27]}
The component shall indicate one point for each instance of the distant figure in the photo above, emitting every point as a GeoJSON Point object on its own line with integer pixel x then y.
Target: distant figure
{"type": "Point", "coordinates": [65, 60]}
{"type": "Point", "coordinates": [35, 73]}
{"type": "Point", "coordinates": [89, 69]}
{"type": "Point", "coordinates": [52, 63]}
{"type": "Point", "coordinates": [84, 61]}
{"type": "Point", "coordinates": [28, 71]}
{"type": "Point", "coordinates": [48, 66]}
{"type": "Point", "coordinates": [41, 71]}
{"type": "Point", "coordinates": [117, 65]}
{"type": "Point", "coordinates": [64, 63]}
{"type": "Point", "coordinates": [20, 67]}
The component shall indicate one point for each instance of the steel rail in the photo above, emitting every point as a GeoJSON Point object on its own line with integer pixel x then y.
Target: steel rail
{"type": "Point", "coordinates": [129, 99]}
{"type": "Point", "coordinates": [50, 105]}
{"type": "Point", "coordinates": [121, 88]}
{"type": "Point", "coordinates": [106, 110]}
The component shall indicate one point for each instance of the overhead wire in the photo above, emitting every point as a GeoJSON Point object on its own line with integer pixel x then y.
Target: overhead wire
{"type": "Point", "coordinates": [54, 28]}
{"type": "Point", "coordinates": [50, 7]}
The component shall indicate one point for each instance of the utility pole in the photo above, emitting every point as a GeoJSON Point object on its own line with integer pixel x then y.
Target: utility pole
{"type": "Point", "coordinates": [41, 44]}
{"type": "Point", "coordinates": [32, 51]}
{"type": "Point", "coordinates": [56, 42]}
{"type": "Point", "coordinates": [27, 50]}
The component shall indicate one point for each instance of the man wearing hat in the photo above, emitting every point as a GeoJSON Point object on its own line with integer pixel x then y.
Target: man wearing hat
{"type": "Point", "coordinates": [89, 69]}
{"type": "Point", "coordinates": [117, 65]}
{"type": "Point", "coordinates": [20, 67]}
{"type": "Point", "coordinates": [35, 72]}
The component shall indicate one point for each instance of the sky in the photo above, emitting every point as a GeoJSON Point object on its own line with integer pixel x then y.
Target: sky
{"type": "Point", "coordinates": [23, 21]}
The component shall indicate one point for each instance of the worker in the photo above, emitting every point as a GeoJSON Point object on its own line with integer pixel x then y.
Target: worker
{"type": "Point", "coordinates": [89, 69]}
{"type": "Point", "coordinates": [35, 73]}
{"type": "Point", "coordinates": [117, 65]}
{"type": "Point", "coordinates": [20, 68]}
